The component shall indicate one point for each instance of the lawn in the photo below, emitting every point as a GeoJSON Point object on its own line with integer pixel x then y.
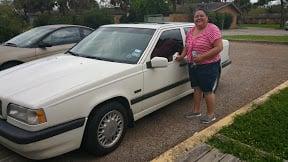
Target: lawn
{"type": "Point", "coordinates": [258, 38]}
{"type": "Point", "coordinates": [271, 26]}
{"type": "Point", "coordinates": [261, 135]}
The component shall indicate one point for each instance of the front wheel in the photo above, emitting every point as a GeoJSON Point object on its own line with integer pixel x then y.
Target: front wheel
{"type": "Point", "coordinates": [105, 128]}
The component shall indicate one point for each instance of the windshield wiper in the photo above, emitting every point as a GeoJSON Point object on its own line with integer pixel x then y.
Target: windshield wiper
{"type": "Point", "coordinates": [91, 57]}
{"type": "Point", "coordinates": [98, 58]}
{"type": "Point", "coordinates": [10, 44]}
{"type": "Point", "coordinates": [72, 53]}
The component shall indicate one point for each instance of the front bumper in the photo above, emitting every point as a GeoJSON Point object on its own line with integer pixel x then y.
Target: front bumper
{"type": "Point", "coordinates": [43, 144]}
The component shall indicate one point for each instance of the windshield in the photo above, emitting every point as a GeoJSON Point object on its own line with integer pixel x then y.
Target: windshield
{"type": "Point", "coordinates": [116, 44]}
{"type": "Point", "coordinates": [29, 37]}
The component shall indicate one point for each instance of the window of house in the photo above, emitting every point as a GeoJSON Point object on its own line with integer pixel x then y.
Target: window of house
{"type": "Point", "coordinates": [168, 44]}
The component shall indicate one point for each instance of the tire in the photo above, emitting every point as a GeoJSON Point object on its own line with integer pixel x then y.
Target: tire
{"type": "Point", "coordinates": [9, 65]}
{"type": "Point", "coordinates": [105, 129]}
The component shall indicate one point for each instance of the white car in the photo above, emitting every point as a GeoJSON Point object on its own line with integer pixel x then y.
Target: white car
{"type": "Point", "coordinates": [88, 96]}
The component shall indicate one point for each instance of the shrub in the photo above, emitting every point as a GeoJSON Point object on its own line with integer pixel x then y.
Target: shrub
{"type": "Point", "coordinates": [55, 18]}
{"type": "Point", "coordinates": [94, 18]}
{"type": "Point", "coordinates": [222, 20]}
{"type": "Point", "coordinates": [11, 24]}
{"type": "Point", "coordinates": [91, 18]}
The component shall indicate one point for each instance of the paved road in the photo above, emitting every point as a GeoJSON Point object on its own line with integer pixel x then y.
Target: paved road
{"type": "Point", "coordinates": [256, 31]}
{"type": "Point", "coordinates": [256, 69]}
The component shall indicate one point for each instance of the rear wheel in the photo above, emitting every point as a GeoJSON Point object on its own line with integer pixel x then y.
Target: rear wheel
{"type": "Point", "coordinates": [105, 128]}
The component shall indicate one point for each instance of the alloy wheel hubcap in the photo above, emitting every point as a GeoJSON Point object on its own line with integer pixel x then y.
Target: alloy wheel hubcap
{"type": "Point", "coordinates": [110, 128]}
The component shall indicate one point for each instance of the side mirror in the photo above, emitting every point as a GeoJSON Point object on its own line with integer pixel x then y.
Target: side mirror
{"type": "Point", "coordinates": [157, 62]}
{"type": "Point", "coordinates": [44, 45]}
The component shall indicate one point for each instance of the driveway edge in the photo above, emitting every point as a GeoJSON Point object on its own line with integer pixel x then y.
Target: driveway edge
{"type": "Point", "coordinates": [183, 148]}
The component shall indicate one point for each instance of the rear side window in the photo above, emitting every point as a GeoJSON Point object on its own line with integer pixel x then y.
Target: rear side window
{"type": "Point", "coordinates": [63, 36]}
{"type": "Point", "coordinates": [168, 44]}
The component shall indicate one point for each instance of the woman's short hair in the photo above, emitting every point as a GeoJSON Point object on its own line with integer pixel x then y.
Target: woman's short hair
{"type": "Point", "coordinates": [201, 9]}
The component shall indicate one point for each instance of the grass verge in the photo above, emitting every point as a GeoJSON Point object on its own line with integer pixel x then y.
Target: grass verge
{"type": "Point", "coordinates": [261, 135]}
{"type": "Point", "coordinates": [258, 38]}
{"type": "Point", "coordinates": [270, 26]}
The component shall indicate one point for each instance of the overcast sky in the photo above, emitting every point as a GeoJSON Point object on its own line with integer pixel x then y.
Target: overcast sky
{"type": "Point", "coordinates": [253, 1]}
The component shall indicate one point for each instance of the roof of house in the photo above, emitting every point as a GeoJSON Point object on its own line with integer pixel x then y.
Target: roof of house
{"type": "Point", "coordinates": [210, 7]}
{"type": "Point", "coordinates": [215, 6]}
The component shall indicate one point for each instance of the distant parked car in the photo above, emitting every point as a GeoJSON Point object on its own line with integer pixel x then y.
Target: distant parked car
{"type": "Point", "coordinates": [286, 25]}
{"type": "Point", "coordinates": [40, 42]}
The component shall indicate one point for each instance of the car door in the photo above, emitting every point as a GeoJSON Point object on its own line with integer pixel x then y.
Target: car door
{"type": "Point", "coordinates": [165, 83]}
{"type": "Point", "coordinates": [59, 40]}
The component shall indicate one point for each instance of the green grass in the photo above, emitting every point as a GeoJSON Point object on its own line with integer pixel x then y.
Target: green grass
{"type": "Point", "coordinates": [265, 128]}
{"type": "Point", "coordinates": [271, 26]}
{"type": "Point", "coordinates": [258, 38]}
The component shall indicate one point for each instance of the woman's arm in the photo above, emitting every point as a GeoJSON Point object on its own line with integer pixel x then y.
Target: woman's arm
{"type": "Point", "coordinates": [183, 54]}
{"type": "Point", "coordinates": [217, 48]}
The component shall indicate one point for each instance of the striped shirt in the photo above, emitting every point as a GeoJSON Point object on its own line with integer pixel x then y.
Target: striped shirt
{"type": "Point", "coordinates": [203, 42]}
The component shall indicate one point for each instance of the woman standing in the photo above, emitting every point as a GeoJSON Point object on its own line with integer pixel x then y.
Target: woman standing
{"type": "Point", "coordinates": [203, 47]}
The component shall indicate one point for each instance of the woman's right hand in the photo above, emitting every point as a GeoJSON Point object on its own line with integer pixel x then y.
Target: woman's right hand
{"type": "Point", "coordinates": [179, 58]}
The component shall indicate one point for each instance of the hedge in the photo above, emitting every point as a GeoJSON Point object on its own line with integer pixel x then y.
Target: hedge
{"type": "Point", "coordinates": [222, 20]}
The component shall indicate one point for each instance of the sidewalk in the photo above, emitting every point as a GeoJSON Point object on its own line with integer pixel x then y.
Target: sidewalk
{"type": "Point", "coordinates": [195, 149]}
{"type": "Point", "coordinates": [206, 153]}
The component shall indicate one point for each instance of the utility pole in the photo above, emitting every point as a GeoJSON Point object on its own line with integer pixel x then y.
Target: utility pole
{"type": "Point", "coordinates": [282, 14]}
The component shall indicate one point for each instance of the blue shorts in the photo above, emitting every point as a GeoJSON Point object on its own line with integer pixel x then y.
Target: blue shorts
{"type": "Point", "coordinates": [204, 76]}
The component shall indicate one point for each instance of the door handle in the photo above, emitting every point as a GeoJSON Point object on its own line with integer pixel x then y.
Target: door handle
{"type": "Point", "coordinates": [183, 63]}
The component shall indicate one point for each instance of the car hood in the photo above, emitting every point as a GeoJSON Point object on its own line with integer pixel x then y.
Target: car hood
{"type": "Point", "coordinates": [34, 83]}
{"type": "Point", "coordinates": [7, 51]}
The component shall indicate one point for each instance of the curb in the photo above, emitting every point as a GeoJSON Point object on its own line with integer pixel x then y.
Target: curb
{"type": "Point", "coordinates": [259, 42]}
{"type": "Point", "coordinates": [182, 149]}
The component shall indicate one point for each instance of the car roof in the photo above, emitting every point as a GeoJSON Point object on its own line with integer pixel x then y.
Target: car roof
{"type": "Point", "coordinates": [152, 25]}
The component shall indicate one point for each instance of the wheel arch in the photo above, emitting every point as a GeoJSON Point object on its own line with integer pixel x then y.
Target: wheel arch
{"type": "Point", "coordinates": [12, 61]}
{"type": "Point", "coordinates": [124, 101]}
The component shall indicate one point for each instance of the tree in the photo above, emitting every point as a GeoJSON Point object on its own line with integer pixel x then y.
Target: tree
{"type": "Point", "coordinates": [10, 23]}
{"type": "Point", "coordinates": [282, 3]}
{"type": "Point", "coordinates": [32, 6]}
{"type": "Point", "coordinates": [175, 2]}
{"type": "Point", "coordinates": [243, 5]}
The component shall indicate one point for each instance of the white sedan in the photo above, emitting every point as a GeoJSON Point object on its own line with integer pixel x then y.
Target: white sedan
{"type": "Point", "coordinates": [88, 96]}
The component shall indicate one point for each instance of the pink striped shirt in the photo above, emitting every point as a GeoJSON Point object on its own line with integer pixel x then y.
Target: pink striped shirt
{"type": "Point", "coordinates": [203, 42]}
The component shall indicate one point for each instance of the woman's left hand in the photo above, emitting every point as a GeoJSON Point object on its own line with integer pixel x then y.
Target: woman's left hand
{"type": "Point", "coordinates": [198, 59]}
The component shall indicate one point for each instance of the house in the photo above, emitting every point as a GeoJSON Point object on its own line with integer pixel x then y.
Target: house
{"type": "Point", "coordinates": [220, 7]}
{"type": "Point", "coordinates": [229, 8]}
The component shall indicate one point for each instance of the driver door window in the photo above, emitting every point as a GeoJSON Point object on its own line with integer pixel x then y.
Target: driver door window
{"type": "Point", "coordinates": [168, 44]}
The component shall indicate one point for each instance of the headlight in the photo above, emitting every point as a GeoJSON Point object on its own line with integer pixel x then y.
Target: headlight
{"type": "Point", "coordinates": [29, 116]}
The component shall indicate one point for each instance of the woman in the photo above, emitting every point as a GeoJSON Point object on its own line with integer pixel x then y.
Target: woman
{"type": "Point", "coordinates": [203, 47]}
